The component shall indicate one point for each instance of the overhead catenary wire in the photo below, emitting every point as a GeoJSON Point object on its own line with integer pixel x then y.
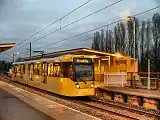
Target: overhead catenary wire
{"type": "Point", "coordinates": [89, 38]}
{"type": "Point", "coordinates": [105, 25]}
{"type": "Point", "coordinates": [43, 28]}
{"type": "Point", "coordinates": [97, 28]}
{"type": "Point", "coordinates": [86, 39]}
{"type": "Point", "coordinates": [75, 21]}
{"type": "Point", "coordinates": [92, 38]}
{"type": "Point", "coordinates": [88, 16]}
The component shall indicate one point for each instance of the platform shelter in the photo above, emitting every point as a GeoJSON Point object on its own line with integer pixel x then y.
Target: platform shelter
{"type": "Point", "coordinates": [6, 46]}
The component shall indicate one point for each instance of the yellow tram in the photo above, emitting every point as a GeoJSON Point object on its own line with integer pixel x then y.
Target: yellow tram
{"type": "Point", "coordinates": [68, 75]}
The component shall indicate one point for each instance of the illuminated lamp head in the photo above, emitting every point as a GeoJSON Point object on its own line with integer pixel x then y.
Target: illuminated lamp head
{"type": "Point", "coordinates": [129, 17]}
{"type": "Point", "coordinates": [118, 55]}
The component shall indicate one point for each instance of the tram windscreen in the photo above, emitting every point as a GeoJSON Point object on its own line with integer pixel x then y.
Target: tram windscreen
{"type": "Point", "coordinates": [84, 72]}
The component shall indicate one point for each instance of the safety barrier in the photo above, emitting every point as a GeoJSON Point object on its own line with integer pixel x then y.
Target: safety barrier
{"type": "Point", "coordinates": [115, 79]}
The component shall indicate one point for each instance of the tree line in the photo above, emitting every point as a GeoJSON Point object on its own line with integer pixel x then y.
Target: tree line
{"type": "Point", "coordinates": [5, 66]}
{"type": "Point", "coordinates": [121, 39]}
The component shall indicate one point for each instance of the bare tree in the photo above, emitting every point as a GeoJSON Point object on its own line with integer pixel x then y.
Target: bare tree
{"type": "Point", "coordinates": [102, 40]}
{"type": "Point", "coordinates": [121, 40]}
{"type": "Point", "coordinates": [130, 37]}
{"type": "Point", "coordinates": [117, 39]}
{"type": "Point", "coordinates": [96, 41]}
{"type": "Point", "coordinates": [156, 42]}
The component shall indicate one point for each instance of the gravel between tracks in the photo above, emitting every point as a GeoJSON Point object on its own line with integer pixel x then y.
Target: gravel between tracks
{"type": "Point", "coordinates": [122, 111]}
{"type": "Point", "coordinates": [75, 105]}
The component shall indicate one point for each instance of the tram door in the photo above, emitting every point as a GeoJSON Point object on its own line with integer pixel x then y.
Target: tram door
{"type": "Point", "coordinates": [44, 72]}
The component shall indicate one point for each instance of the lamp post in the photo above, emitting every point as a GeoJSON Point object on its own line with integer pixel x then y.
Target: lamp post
{"type": "Point", "coordinates": [21, 56]}
{"type": "Point", "coordinates": [134, 46]}
{"type": "Point", "coordinates": [149, 80]}
{"type": "Point", "coordinates": [14, 55]}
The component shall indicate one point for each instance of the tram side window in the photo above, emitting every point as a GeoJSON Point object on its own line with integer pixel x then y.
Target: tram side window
{"type": "Point", "coordinates": [22, 68]}
{"type": "Point", "coordinates": [54, 69]}
{"type": "Point", "coordinates": [67, 70]}
{"type": "Point", "coordinates": [44, 69]}
{"type": "Point", "coordinates": [70, 71]}
{"type": "Point", "coordinates": [14, 68]}
{"type": "Point", "coordinates": [37, 69]}
{"type": "Point", "coordinates": [34, 69]}
{"type": "Point", "coordinates": [18, 68]}
{"type": "Point", "coordinates": [31, 69]}
{"type": "Point", "coordinates": [28, 68]}
{"type": "Point", "coordinates": [50, 70]}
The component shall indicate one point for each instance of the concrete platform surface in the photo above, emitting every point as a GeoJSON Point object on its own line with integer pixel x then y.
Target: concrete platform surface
{"type": "Point", "coordinates": [11, 108]}
{"type": "Point", "coordinates": [131, 91]}
{"type": "Point", "coordinates": [15, 108]}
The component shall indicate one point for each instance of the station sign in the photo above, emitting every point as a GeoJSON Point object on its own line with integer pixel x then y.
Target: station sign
{"type": "Point", "coordinates": [82, 60]}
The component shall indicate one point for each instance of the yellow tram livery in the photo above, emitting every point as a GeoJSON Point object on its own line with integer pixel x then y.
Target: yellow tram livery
{"type": "Point", "coordinates": [68, 75]}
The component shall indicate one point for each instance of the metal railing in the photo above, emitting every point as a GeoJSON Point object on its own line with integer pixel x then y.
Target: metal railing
{"type": "Point", "coordinates": [141, 80]}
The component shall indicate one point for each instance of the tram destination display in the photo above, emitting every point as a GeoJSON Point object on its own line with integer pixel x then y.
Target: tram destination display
{"type": "Point", "coordinates": [82, 60]}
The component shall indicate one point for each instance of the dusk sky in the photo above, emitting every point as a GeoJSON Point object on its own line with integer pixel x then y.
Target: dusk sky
{"type": "Point", "coordinates": [19, 19]}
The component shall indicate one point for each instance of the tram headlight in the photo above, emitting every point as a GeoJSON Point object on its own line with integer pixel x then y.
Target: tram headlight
{"type": "Point", "coordinates": [77, 85]}
{"type": "Point", "coordinates": [92, 85]}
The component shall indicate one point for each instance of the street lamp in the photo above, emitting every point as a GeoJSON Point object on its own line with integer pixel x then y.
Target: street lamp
{"type": "Point", "coordinates": [134, 46]}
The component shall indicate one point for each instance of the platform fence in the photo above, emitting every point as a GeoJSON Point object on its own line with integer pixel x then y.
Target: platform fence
{"type": "Point", "coordinates": [141, 80]}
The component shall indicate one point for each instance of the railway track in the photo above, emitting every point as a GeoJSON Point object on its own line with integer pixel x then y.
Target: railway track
{"type": "Point", "coordinates": [96, 108]}
{"type": "Point", "coordinates": [136, 114]}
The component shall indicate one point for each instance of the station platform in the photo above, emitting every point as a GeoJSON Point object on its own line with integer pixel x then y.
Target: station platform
{"type": "Point", "coordinates": [130, 91]}
{"type": "Point", "coordinates": [18, 104]}
{"type": "Point", "coordinates": [11, 108]}
{"type": "Point", "coordinates": [149, 99]}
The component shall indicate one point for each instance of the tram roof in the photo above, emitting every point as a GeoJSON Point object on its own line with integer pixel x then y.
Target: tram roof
{"type": "Point", "coordinates": [38, 61]}
{"type": "Point", "coordinates": [78, 51]}
{"type": "Point", "coordinates": [65, 58]}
